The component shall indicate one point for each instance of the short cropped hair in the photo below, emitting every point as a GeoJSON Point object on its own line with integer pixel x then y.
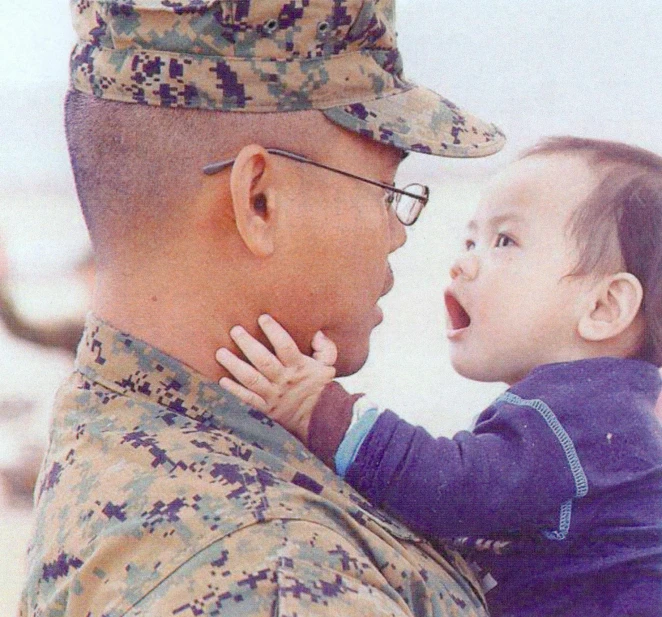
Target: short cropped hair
{"type": "Point", "coordinates": [131, 166]}
{"type": "Point", "coordinates": [136, 167]}
{"type": "Point", "coordinates": [620, 222]}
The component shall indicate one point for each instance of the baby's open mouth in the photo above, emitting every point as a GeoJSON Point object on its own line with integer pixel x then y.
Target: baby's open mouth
{"type": "Point", "coordinates": [457, 316]}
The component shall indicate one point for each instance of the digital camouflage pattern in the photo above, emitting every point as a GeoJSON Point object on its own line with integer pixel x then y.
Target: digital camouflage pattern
{"type": "Point", "coordinates": [163, 495]}
{"type": "Point", "coordinates": [339, 56]}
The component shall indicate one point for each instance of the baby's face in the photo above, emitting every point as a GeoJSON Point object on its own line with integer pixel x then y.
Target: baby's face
{"type": "Point", "coordinates": [510, 305]}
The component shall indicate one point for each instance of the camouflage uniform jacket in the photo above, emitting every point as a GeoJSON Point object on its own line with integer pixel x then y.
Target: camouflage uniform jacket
{"type": "Point", "coordinates": [163, 495]}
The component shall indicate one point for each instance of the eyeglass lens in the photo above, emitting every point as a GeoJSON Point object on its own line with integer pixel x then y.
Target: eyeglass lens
{"type": "Point", "coordinates": [407, 208]}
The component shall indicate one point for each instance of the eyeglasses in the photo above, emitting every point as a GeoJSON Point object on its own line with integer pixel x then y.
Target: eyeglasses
{"type": "Point", "coordinates": [407, 203]}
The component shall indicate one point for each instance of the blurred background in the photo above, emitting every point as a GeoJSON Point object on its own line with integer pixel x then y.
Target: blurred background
{"type": "Point", "coordinates": [534, 67]}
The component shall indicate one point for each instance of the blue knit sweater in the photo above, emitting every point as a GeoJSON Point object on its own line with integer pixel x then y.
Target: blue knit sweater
{"type": "Point", "coordinates": [555, 496]}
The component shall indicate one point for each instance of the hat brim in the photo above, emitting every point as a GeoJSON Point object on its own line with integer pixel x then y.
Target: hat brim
{"type": "Point", "coordinates": [420, 120]}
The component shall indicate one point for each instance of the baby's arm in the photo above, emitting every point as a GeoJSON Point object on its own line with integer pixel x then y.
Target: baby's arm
{"type": "Point", "coordinates": [508, 474]}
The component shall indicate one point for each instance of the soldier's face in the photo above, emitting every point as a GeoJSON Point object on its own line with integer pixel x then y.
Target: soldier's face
{"type": "Point", "coordinates": [339, 236]}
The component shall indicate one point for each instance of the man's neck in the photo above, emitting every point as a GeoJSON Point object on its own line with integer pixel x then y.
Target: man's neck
{"type": "Point", "coordinates": [177, 321]}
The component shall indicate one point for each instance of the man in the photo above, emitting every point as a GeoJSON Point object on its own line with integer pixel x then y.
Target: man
{"type": "Point", "coordinates": [161, 494]}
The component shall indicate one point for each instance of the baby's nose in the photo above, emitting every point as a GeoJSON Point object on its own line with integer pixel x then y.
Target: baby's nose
{"type": "Point", "coordinates": [465, 266]}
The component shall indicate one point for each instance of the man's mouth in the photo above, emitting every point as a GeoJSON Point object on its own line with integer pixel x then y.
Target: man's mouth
{"type": "Point", "coordinates": [390, 281]}
{"type": "Point", "coordinates": [458, 318]}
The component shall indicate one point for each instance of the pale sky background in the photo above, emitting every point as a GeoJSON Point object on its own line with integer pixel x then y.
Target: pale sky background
{"type": "Point", "coordinates": [535, 67]}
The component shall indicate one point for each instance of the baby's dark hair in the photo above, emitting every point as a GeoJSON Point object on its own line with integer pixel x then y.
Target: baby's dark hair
{"type": "Point", "coordinates": [620, 221]}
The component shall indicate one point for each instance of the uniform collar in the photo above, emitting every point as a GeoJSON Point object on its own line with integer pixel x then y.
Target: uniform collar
{"type": "Point", "coordinates": [131, 367]}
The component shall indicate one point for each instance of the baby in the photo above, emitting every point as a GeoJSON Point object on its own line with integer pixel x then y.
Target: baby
{"type": "Point", "coordinates": [555, 495]}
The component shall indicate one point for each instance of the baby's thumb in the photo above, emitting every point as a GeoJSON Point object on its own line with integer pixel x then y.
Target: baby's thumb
{"type": "Point", "coordinates": [324, 349]}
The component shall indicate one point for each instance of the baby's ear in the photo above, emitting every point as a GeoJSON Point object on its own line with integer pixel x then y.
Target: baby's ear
{"type": "Point", "coordinates": [613, 307]}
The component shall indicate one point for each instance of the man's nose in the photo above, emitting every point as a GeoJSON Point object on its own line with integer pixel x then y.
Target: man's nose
{"type": "Point", "coordinates": [465, 266]}
{"type": "Point", "coordinates": [397, 231]}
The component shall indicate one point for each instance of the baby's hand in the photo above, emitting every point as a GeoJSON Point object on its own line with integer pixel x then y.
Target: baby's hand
{"type": "Point", "coordinates": [285, 386]}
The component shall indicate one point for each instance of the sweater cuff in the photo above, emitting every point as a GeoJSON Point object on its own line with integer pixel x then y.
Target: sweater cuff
{"type": "Point", "coordinates": [329, 422]}
{"type": "Point", "coordinates": [364, 417]}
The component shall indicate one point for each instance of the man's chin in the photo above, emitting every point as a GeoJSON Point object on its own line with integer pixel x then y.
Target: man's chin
{"type": "Point", "coordinates": [351, 361]}
{"type": "Point", "coordinates": [354, 344]}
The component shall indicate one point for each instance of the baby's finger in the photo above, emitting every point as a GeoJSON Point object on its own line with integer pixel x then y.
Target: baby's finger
{"type": "Point", "coordinates": [258, 355]}
{"type": "Point", "coordinates": [249, 397]}
{"type": "Point", "coordinates": [285, 347]}
{"type": "Point", "coordinates": [324, 349]}
{"type": "Point", "coordinates": [244, 373]}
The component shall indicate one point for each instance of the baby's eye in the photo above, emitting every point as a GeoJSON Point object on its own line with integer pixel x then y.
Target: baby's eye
{"type": "Point", "coordinates": [504, 240]}
{"type": "Point", "coordinates": [469, 245]}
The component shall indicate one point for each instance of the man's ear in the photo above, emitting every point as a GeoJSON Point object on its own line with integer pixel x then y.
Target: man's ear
{"type": "Point", "coordinates": [253, 200]}
{"type": "Point", "coordinates": [613, 307]}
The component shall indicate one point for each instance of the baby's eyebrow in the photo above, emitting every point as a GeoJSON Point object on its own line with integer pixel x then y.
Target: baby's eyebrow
{"type": "Point", "coordinates": [495, 221]}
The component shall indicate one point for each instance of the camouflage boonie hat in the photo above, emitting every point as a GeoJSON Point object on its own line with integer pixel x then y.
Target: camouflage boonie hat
{"type": "Point", "coordinates": [337, 56]}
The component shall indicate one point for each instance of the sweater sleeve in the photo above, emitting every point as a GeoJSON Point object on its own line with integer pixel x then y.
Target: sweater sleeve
{"type": "Point", "coordinates": [516, 471]}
